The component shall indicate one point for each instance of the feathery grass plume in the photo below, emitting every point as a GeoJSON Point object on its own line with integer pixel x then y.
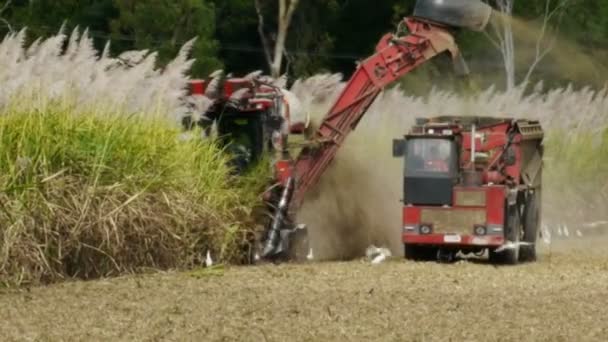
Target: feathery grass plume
{"type": "Point", "coordinates": [131, 83]}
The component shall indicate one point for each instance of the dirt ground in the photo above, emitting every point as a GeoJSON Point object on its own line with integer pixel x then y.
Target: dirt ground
{"type": "Point", "coordinates": [561, 298]}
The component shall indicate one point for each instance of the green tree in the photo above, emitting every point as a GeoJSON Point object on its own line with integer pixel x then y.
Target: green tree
{"type": "Point", "coordinates": [164, 26]}
{"type": "Point", "coordinates": [240, 48]}
{"type": "Point", "coordinates": [45, 17]}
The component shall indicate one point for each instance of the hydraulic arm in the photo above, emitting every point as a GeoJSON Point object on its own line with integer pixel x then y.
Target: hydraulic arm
{"type": "Point", "coordinates": [395, 56]}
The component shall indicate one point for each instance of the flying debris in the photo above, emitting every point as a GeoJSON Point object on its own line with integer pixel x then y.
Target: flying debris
{"type": "Point", "coordinates": [510, 245]}
{"type": "Point", "coordinates": [310, 255]}
{"type": "Point", "coordinates": [546, 234]}
{"type": "Point", "coordinates": [377, 255]}
{"type": "Point", "coordinates": [208, 260]}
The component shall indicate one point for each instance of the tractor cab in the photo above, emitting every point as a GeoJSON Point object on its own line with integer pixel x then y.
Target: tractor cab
{"type": "Point", "coordinates": [246, 116]}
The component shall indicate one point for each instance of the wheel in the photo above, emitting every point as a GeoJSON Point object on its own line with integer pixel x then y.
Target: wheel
{"type": "Point", "coordinates": [531, 221]}
{"type": "Point", "coordinates": [446, 256]}
{"type": "Point", "coordinates": [510, 254]}
{"type": "Point", "coordinates": [420, 253]}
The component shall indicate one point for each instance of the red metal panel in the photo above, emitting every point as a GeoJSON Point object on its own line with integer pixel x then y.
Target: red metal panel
{"type": "Point", "coordinates": [283, 170]}
{"type": "Point", "coordinates": [496, 205]}
{"type": "Point", "coordinates": [228, 88]}
{"type": "Point", "coordinates": [197, 87]}
{"type": "Point", "coordinates": [411, 215]}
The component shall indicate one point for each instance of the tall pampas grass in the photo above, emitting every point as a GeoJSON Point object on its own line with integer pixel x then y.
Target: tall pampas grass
{"type": "Point", "coordinates": [94, 179]}
{"type": "Point", "coordinates": [69, 70]}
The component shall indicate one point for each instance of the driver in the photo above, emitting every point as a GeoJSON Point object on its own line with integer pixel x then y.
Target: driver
{"type": "Point", "coordinates": [435, 162]}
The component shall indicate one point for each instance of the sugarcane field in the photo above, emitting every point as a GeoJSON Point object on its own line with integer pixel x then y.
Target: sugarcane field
{"type": "Point", "coordinates": [286, 170]}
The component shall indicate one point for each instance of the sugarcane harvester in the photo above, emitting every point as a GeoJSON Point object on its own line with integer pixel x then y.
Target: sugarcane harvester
{"type": "Point", "coordinates": [428, 33]}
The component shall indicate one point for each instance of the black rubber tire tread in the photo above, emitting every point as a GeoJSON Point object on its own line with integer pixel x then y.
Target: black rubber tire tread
{"type": "Point", "coordinates": [527, 252]}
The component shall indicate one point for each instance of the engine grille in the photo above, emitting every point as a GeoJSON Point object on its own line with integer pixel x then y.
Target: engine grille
{"type": "Point", "coordinates": [450, 221]}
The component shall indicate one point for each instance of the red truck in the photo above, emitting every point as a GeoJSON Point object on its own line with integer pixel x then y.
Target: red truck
{"type": "Point", "coordinates": [471, 184]}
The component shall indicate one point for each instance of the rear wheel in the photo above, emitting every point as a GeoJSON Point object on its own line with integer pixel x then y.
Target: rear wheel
{"type": "Point", "coordinates": [420, 253]}
{"type": "Point", "coordinates": [509, 253]}
{"type": "Point", "coordinates": [531, 223]}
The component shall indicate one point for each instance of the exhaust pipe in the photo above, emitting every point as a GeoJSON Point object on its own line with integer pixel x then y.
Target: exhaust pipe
{"type": "Point", "coordinates": [470, 14]}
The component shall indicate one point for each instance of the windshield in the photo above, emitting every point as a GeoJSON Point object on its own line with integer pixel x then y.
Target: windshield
{"type": "Point", "coordinates": [431, 157]}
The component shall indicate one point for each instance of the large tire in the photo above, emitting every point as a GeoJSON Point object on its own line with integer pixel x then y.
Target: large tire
{"type": "Point", "coordinates": [527, 252]}
{"type": "Point", "coordinates": [509, 256]}
{"type": "Point", "coordinates": [420, 253]}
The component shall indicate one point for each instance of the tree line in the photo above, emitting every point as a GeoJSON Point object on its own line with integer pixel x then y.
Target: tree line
{"type": "Point", "coordinates": [550, 40]}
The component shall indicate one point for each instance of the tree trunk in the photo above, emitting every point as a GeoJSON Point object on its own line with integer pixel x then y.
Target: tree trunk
{"type": "Point", "coordinates": [286, 10]}
{"type": "Point", "coordinates": [505, 43]}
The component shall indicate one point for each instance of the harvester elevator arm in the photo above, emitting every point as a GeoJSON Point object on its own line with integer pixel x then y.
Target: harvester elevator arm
{"type": "Point", "coordinates": [395, 56]}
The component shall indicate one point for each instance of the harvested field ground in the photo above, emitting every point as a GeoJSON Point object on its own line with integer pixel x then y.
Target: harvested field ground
{"type": "Point", "coordinates": [561, 298]}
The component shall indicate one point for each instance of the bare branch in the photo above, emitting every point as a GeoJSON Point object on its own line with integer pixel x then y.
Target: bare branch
{"type": "Point", "coordinates": [281, 9]}
{"type": "Point", "coordinates": [263, 38]}
{"type": "Point", "coordinates": [492, 40]}
{"type": "Point", "coordinates": [275, 58]}
{"type": "Point", "coordinates": [293, 4]}
{"type": "Point", "coordinates": [6, 5]}
{"type": "Point", "coordinates": [7, 24]}
{"type": "Point", "coordinates": [286, 11]}
{"type": "Point", "coordinates": [504, 41]}
{"type": "Point", "coordinates": [4, 21]}
{"type": "Point", "coordinates": [540, 55]}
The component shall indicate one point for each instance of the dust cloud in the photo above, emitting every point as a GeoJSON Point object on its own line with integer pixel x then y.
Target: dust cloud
{"type": "Point", "coordinates": [356, 204]}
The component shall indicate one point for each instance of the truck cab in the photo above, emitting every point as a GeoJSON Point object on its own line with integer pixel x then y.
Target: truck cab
{"type": "Point", "coordinates": [471, 184]}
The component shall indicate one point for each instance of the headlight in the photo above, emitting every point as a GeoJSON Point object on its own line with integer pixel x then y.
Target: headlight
{"type": "Point", "coordinates": [426, 229]}
{"type": "Point", "coordinates": [480, 230]}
